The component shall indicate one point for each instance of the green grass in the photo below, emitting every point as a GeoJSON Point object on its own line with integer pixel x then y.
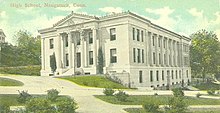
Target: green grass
{"type": "Point", "coordinates": [207, 86]}
{"type": "Point", "coordinates": [9, 82]}
{"type": "Point", "coordinates": [141, 110]}
{"type": "Point", "coordinates": [95, 81]}
{"type": "Point", "coordinates": [11, 99]}
{"type": "Point", "coordinates": [162, 100]}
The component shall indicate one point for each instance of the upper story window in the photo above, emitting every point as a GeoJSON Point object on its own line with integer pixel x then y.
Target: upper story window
{"type": "Point", "coordinates": [154, 58]}
{"type": "Point", "coordinates": [164, 43]}
{"type": "Point", "coordinates": [142, 56]}
{"type": "Point", "coordinates": [90, 38]}
{"type": "Point", "coordinates": [51, 43]}
{"type": "Point", "coordinates": [112, 34]}
{"type": "Point", "coordinates": [134, 54]}
{"type": "Point", "coordinates": [77, 38]}
{"type": "Point", "coordinates": [66, 41]}
{"type": "Point", "coordinates": [142, 36]}
{"type": "Point", "coordinates": [153, 40]}
{"type": "Point", "coordinates": [138, 35]}
{"type": "Point", "coordinates": [113, 56]}
{"type": "Point", "coordinates": [139, 56]}
{"type": "Point", "coordinates": [159, 41]}
{"type": "Point", "coordinates": [133, 33]}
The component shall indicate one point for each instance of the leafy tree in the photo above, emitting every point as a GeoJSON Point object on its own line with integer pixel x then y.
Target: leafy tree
{"type": "Point", "coordinates": [53, 64]}
{"type": "Point", "coordinates": [23, 97]}
{"type": "Point", "coordinates": [205, 53]}
{"type": "Point", "coordinates": [52, 94]}
{"type": "Point", "coordinates": [100, 61]}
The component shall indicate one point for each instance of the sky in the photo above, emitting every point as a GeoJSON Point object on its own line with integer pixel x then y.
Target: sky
{"type": "Point", "coordinates": [181, 16]}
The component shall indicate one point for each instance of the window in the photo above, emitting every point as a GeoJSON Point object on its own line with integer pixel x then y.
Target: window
{"type": "Point", "coordinates": [142, 36]}
{"type": "Point", "coordinates": [133, 31]}
{"type": "Point", "coordinates": [78, 57]}
{"type": "Point", "coordinates": [176, 74]}
{"type": "Point", "coordinates": [172, 74]}
{"type": "Point", "coordinates": [151, 76]}
{"type": "Point", "coordinates": [157, 76]}
{"type": "Point", "coordinates": [159, 58]}
{"type": "Point", "coordinates": [90, 57]}
{"type": "Point", "coordinates": [51, 43]}
{"type": "Point", "coordinates": [77, 38]}
{"type": "Point", "coordinates": [153, 40]}
{"type": "Point", "coordinates": [66, 41]}
{"type": "Point", "coordinates": [165, 61]}
{"type": "Point", "coordinates": [142, 56]}
{"type": "Point", "coordinates": [112, 34]}
{"type": "Point", "coordinates": [187, 73]}
{"type": "Point", "coordinates": [162, 75]}
{"type": "Point", "coordinates": [134, 54]}
{"type": "Point", "coordinates": [67, 59]}
{"type": "Point", "coordinates": [179, 74]}
{"type": "Point", "coordinates": [159, 41]}
{"type": "Point", "coordinates": [90, 38]}
{"type": "Point", "coordinates": [154, 58]}
{"type": "Point", "coordinates": [113, 57]}
{"type": "Point", "coordinates": [139, 56]}
{"type": "Point", "coordinates": [138, 35]}
{"type": "Point", "coordinates": [164, 43]}
{"type": "Point", "coordinates": [140, 77]}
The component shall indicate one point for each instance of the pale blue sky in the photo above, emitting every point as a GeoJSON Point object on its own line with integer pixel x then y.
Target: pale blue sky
{"type": "Point", "coordinates": [181, 16]}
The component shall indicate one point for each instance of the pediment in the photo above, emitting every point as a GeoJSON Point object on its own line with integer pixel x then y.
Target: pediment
{"type": "Point", "coordinates": [72, 19]}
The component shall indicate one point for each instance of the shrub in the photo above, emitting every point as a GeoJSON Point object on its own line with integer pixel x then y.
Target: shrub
{"type": "Point", "coordinates": [66, 105]}
{"type": "Point", "coordinates": [176, 105]}
{"type": "Point", "coordinates": [39, 105]}
{"type": "Point", "coordinates": [78, 73]}
{"type": "Point", "coordinates": [23, 97]}
{"type": "Point", "coordinates": [155, 94]}
{"type": "Point", "coordinates": [151, 107]}
{"type": "Point", "coordinates": [108, 91]}
{"type": "Point", "coordinates": [178, 92]}
{"type": "Point", "coordinates": [52, 94]}
{"type": "Point", "coordinates": [211, 92]}
{"type": "Point", "coordinates": [198, 95]}
{"type": "Point", "coordinates": [4, 109]}
{"type": "Point", "coordinates": [121, 96]}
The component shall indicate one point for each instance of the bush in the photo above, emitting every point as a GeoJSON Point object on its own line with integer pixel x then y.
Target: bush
{"type": "Point", "coordinates": [151, 107]}
{"type": "Point", "coordinates": [178, 92]}
{"type": "Point", "coordinates": [4, 109]}
{"type": "Point", "coordinates": [198, 95]}
{"type": "Point", "coordinates": [155, 94]}
{"type": "Point", "coordinates": [121, 96]}
{"type": "Point", "coordinates": [22, 70]}
{"type": "Point", "coordinates": [211, 92]}
{"type": "Point", "coordinates": [176, 105]}
{"type": "Point", "coordinates": [108, 91]}
{"type": "Point", "coordinates": [40, 105]}
{"type": "Point", "coordinates": [66, 105]}
{"type": "Point", "coordinates": [23, 97]}
{"type": "Point", "coordinates": [52, 94]}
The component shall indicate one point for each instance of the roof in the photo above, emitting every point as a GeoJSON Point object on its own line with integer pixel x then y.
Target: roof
{"type": "Point", "coordinates": [2, 32]}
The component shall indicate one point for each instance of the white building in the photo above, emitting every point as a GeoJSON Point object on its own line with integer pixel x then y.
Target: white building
{"type": "Point", "coordinates": [138, 52]}
{"type": "Point", "coordinates": [2, 36]}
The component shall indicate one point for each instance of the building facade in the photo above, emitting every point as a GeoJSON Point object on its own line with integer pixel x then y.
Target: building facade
{"type": "Point", "coordinates": [138, 52]}
{"type": "Point", "coordinates": [2, 36]}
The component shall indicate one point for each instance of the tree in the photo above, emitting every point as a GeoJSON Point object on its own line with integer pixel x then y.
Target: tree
{"type": "Point", "coordinates": [29, 47]}
{"type": "Point", "coordinates": [205, 53]}
{"type": "Point", "coordinates": [100, 61]}
{"type": "Point", "coordinates": [53, 64]}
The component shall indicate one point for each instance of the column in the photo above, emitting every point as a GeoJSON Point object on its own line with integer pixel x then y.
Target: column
{"type": "Point", "coordinates": [83, 50]}
{"type": "Point", "coordinates": [156, 50]}
{"type": "Point", "coordinates": [150, 49]}
{"type": "Point", "coordinates": [161, 51]}
{"type": "Point", "coordinates": [57, 47]}
{"type": "Point", "coordinates": [95, 55]}
{"type": "Point", "coordinates": [43, 53]}
{"type": "Point", "coordinates": [168, 52]}
{"type": "Point", "coordinates": [70, 49]}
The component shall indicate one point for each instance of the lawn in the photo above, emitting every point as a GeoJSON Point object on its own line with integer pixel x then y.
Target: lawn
{"type": "Point", "coordinates": [140, 110]}
{"type": "Point", "coordinates": [95, 81]}
{"type": "Point", "coordinates": [10, 82]}
{"type": "Point", "coordinates": [11, 99]}
{"type": "Point", "coordinates": [207, 86]}
{"type": "Point", "coordinates": [162, 100]}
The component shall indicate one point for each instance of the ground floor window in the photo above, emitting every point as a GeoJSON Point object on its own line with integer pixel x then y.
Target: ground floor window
{"type": "Point", "coordinates": [78, 58]}
{"type": "Point", "coordinates": [140, 77]}
{"type": "Point", "coordinates": [151, 76]}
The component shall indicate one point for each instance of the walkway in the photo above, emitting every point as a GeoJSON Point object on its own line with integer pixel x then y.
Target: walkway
{"type": "Point", "coordinates": [83, 95]}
